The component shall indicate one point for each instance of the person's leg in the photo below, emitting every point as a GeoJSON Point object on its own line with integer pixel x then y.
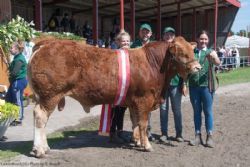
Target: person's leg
{"type": "Point", "coordinates": [120, 116]}
{"type": "Point", "coordinates": [164, 108]}
{"type": "Point", "coordinates": [120, 132]}
{"type": "Point", "coordinates": [22, 84]}
{"type": "Point", "coordinates": [195, 99]}
{"type": "Point", "coordinates": [113, 120]}
{"type": "Point", "coordinates": [175, 98]}
{"type": "Point", "coordinates": [207, 98]}
{"type": "Point", "coordinates": [113, 133]}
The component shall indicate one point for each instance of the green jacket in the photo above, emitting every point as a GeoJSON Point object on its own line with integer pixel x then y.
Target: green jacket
{"type": "Point", "coordinates": [136, 44]}
{"type": "Point", "coordinates": [20, 74]}
{"type": "Point", "coordinates": [201, 78]}
{"type": "Point", "coordinates": [176, 81]}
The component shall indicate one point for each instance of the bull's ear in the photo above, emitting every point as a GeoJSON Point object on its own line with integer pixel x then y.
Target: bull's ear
{"type": "Point", "coordinates": [193, 44]}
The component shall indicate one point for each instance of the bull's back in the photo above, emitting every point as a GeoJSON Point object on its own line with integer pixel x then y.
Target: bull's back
{"type": "Point", "coordinates": [66, 66]}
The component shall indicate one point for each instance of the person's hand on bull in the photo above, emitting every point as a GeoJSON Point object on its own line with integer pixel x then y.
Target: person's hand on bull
{"type": "Point", "coordinates": [213, 57]}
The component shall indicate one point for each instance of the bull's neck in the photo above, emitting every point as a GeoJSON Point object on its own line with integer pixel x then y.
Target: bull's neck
{"type": "Point", "coordinates": [155, 54]}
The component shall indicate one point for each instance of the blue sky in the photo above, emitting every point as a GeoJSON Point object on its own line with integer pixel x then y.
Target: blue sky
{"type": "Point", "coordinates": [242, 18]}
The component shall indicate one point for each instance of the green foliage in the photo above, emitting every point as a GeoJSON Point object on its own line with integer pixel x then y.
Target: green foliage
{"type": "Point", "coordinates": [63, 35]}
{"type": "Point", "coordinates": [16, 29]}
{"type": "Point", "coordinates": [8, 110]}
{"type": "Point", "coordinates": [239, 75]}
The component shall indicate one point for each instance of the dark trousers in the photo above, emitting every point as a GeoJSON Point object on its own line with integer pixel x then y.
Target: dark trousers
{"type": "Point", "coordinates": [15, 94]}
{"type": "Point", "coordinates": [117, 118]}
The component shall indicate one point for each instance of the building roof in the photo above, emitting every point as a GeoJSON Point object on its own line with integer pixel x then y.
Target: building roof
{"type": "Point", "coordinates": [143, 8]}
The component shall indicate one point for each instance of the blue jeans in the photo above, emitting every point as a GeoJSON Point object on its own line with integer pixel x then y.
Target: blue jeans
{"type": "Point", "coordinates": [15, 94]}
{"type": "Point", "coordinates": [175, 95]}
{"type": "Point", "coordinates": [202, 99]}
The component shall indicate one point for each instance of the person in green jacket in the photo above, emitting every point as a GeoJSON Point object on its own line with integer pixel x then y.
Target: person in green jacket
{"type": "Point", "coordinates": [201, 89]}
{"type": "Point", "coordinates": [174, 94]}
{"type": "Point", "coordinates": [145, 34]}
{"type": "Point", "coordinates": [17, 78]}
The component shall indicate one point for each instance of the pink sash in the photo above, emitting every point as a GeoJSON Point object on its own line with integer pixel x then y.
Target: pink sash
{"type": "Point", "coordinates": [124, 79]}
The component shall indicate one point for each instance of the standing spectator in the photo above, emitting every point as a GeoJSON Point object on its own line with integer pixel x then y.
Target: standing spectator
{"type": "Point", "coordinates": [222, 50]}
{"type": "Point", "coordinates": [201, 89]}
{"type": "Point", "coordinates": [17, 78]}
{"type": "Point", "coordinates": [72, 24]}
{"type": "Point", "coordinates": [116, 129]}
{"type": "Point", "coordinates": [145, 34]}
{"type": "Point", "coordinates": [235, 57]}
{"type": "Point", "coordinates": [65, 23]}
{"type": "Point", "coordinates": [174, 93]}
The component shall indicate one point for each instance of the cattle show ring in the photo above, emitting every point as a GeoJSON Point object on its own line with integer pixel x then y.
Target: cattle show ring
{"type": "Point", "coordinates": [72, 78]}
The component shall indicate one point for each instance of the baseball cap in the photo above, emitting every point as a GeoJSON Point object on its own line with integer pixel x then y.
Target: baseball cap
{"type": "Point", "coordinates": [169, 29]}
{"type": "Point", "coordinates": [145, 26]}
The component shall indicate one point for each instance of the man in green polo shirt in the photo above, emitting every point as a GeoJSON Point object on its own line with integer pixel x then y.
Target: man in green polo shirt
{"type": "Point", "coordinates": [145, 34]}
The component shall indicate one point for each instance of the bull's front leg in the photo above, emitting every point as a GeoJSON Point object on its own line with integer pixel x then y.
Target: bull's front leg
{"type": "Point", "coordinates": [40, 145]}
{"type": "Point", "coordinates": [143, 122]}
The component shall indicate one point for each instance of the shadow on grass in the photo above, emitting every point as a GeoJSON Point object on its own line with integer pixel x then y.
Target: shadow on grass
{"type": "Point", "coordinates": [61, 140]}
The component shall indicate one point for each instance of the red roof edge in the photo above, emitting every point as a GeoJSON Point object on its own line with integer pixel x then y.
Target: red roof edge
{"type": "Point", "coordinates": [235, 3]}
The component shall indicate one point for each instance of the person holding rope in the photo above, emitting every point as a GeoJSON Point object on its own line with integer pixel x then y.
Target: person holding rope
{"type": "Point", "coordinates": [202, 88]}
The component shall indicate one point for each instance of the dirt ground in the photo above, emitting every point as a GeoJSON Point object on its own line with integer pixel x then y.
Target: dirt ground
{"type": "Point", "coordinates": [231, 135]}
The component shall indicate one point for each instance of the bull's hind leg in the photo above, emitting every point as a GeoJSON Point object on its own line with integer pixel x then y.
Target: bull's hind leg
{"type": "Point", "coordinates": [40, 145]}
{"type": "Point", "coordinates": [135, 127]}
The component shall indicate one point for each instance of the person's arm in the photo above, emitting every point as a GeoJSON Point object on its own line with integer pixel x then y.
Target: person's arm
{"type": "Point", "coordinates": [16, 69]}
{"type": "Point", "coordinates": [213, 57]}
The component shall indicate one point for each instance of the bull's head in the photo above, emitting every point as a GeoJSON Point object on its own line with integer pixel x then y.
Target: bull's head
{"type": "Point", "coordinates": [180, 59]}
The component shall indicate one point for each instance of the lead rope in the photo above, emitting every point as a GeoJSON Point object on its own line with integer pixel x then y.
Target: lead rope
{"type": "Point", "coordinates": [211, 84]}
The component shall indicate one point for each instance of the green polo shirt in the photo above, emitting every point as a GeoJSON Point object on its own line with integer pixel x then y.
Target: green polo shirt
{"type": "Point", "coordinates": [200, 78]}
{"type": "Point", "coordinates": [137, 44]}
{"type": "Point", "coordinates": [22, 72]}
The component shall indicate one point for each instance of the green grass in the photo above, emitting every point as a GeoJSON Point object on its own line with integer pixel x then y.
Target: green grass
{"type": "Point", "coordinates": [240, 75]}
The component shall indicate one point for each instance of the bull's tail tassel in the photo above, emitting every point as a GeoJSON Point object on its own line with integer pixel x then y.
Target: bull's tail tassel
{"type": "Point", "coordinates": [105, 121]}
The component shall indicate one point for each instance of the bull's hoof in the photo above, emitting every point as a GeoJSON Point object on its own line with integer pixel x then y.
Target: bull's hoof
{"type": "Point", "coordinates": [38, 153]}
{"type": "Point", "coordinates": [47, 150]}
{"type": "Point", "coordinates": [138, 143]}
{"type": "Point", "coordinates": [150, 149]}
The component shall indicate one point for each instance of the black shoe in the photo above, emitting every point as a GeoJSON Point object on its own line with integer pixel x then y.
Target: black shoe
{"type": "Point", "coordinates": [16, 123]}
{"type": "Point", "coordinates": [179, 138]}
{"type": "Point", "coordinates": [150, 136]}
{"type": "Point", "coordinates": [115, 139]}
{"type": "Point", "coordinates": [124, 137]}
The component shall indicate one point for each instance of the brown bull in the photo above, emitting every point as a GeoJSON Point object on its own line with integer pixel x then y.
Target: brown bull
{"type": "Point", "coordinates": [60, 68]}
